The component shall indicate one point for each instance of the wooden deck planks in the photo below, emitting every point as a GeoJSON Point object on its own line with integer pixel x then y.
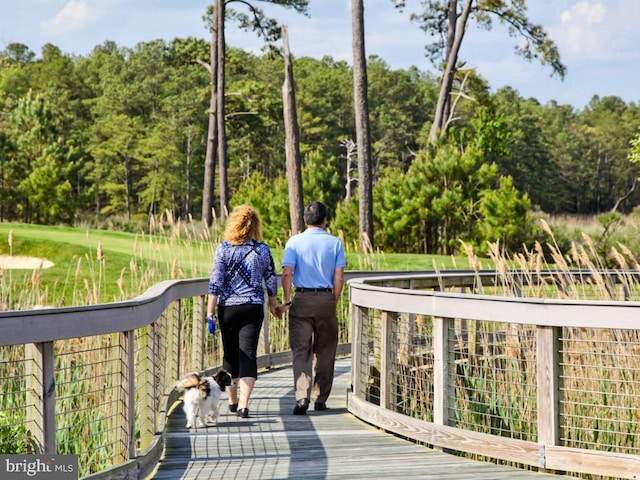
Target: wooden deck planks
{"type": "Point", "coordinates": [333, 444]}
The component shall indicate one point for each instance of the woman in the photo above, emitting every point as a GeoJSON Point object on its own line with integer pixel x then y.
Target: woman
{"type": "Point", "coordinates": [241, 264]}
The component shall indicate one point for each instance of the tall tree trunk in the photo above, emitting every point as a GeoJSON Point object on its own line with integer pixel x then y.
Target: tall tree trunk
{"type": "Point", "coordinates": [292, 142]}
{"type": "Point", "coordinates": [220, 112]}
{"type": "Point", "coordinates": [212, 132]}
{"type": "Point", "coordinates": [444, 97]}
{"type": "Point", "coordinates": [187, 189]}
{"type": "Point", "coordinates": [351, 149]}
{"type": "Point", "coordinates": [128, 185]}
{"type": "Point", "coordinates": [451, 36]}
{"type": "Point", "coordinates": [363, 136]}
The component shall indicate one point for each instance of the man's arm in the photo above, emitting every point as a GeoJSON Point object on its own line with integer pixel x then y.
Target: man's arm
{"type": "Point", "coordinates": [287, 283]}
{"type": "Point", "coordinates": [338, 282]}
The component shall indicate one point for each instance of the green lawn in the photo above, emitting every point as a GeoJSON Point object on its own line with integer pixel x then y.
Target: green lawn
{"type": "Point", "coordinates": [132, 263]}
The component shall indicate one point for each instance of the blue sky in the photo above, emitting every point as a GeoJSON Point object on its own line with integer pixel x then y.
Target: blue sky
{"type": "Point", "coordinates": [597, 39]}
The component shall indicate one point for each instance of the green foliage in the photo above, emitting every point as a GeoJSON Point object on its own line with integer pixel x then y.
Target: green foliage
{"type": "Point", "coordinates": [634, 150]}
{"type": "Point", "coordinates": [38, 177]}
{"type": "Point", "coordinates": [117, 137]}
{"type": "Point", "coordinates": [321, 178]}
{"type": "Point", "coordinates": [345, 222]}
{"type": "Point", "coordinates": [491, 134]}
{"type": "Point", "coordinates": [445, 197]}
{"type": "Point", "coordinates": [504, 217]}
{"type": "Point", "coordinates": [15, 439]}
{"type": "Point", "coordinates": [270, 199]}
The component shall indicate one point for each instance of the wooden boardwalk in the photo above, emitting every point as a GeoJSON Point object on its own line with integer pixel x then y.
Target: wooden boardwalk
{"type": "Point", "coordinates": [274, 444]}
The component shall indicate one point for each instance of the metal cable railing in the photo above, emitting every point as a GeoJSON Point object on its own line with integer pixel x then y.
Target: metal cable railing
{"type": "Point", "coordinates": [494, 368]}
{"type": "Point", "coordinates": [468, 361]}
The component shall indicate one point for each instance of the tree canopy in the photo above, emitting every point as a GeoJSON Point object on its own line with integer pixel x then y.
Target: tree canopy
{"type": "Point", "coordinates": [121, 133]}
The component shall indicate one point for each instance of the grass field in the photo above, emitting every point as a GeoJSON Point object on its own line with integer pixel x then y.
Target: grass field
{"type": "Point", "coordinates": [98, 266]}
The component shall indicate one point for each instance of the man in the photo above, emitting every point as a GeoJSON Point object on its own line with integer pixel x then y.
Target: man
{"type": "Point", "coordinates": [313, 263]}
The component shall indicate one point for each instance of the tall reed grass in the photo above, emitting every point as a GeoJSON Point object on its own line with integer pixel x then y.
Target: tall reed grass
{"type": "Point", "coordinates": [86, 376]}
{"type": "Point", "coordinates": [494, 380]}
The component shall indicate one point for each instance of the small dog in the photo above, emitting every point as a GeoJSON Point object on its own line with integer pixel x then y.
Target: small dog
{"type": "Point", "coordinates": [202, 395]}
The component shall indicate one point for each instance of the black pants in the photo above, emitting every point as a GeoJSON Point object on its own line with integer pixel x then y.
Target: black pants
{"type": "Point", "coordinates": [240, 328]}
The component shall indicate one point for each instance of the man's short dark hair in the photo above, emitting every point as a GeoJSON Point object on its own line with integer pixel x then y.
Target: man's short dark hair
{"type": "Point", "coordinates": [315, 213]}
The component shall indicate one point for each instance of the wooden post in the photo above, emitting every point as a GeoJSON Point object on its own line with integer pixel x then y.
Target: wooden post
{"type": "Point", "coordinates": [443, 394]}
{"type": "Point", "coordinates": [175, 339]}
{"type": "Point", "coordinates": [547, 339]}
{"type": "Point", "coordinates": [386, 359]}
{"type": "Point", "coordinates": [41, 395]}
{"type": "Point", "coordinates": [147, 378]}
{"type": "Point", "coordinates": [197, 336]}
{"type": "Point", "coordinates": [356, 353]}
{"type": "Point", "coordinates": [127, 396]}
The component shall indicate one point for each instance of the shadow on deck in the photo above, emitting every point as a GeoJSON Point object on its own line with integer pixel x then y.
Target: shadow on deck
{"type": "Point", "coordinates": [275, 444]}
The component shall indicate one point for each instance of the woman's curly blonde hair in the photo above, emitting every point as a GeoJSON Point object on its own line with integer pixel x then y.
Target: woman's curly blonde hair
{"type": "Point", "coordinates": [243, 224]}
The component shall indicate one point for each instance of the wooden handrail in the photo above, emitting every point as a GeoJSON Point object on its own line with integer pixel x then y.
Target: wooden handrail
{"type": "Point", "coordinates": [406, 296]}
{"type": "Point", "coordinates": [383, 300]}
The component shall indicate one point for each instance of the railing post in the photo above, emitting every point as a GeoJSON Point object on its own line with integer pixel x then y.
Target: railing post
{"type": "Point", "coordinates": [197, 335]}
{"type": "Point", "coordinates": [386, 359]}
{"type": "Point", "coordinates": [443, 392]}
{"type": "Point", "coordinates": [175, 340]}
{"type": "Point", "coordinates": [547, 354]}
{"type": "Point", "coordinates": [356, 350]}
{"type": "Point", "coordinates": [127, 396]}
{"type": "Point", "coordinates": [147, 385]}
{"type": "Point", "coordinates": [41, 395]}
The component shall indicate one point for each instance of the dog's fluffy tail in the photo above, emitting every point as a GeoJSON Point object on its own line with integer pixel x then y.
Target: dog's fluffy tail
{"type": "Point", "coordinates": [191, 380]}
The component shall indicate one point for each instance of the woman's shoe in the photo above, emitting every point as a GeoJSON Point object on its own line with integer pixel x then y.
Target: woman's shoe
{"type": "Point", "coordinates": [233, 407]}
{"type": "Point", "coordinates": [243, 412]}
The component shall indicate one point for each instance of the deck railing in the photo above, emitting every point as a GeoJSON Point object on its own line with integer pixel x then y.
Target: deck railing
{"type": "Point", "coordinates": [98, 381]}
{"type": "Point", "coordinates": [480, 365]}
{"type": "Point", "coordinates": [457, 360]}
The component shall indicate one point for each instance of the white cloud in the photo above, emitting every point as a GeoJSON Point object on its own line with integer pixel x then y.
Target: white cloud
{"type": "Point", "coordinates": [584, 12]}
{"type": "Point", "coordinates": [598, 30]}
{"type": "Point", "coordinates": [582, 29]}
{"type": "Point", "coordinates": [74, 16]}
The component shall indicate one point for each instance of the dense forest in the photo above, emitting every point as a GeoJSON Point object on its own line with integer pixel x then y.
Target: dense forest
{"type": "Point", "coordinates": [120, 134]}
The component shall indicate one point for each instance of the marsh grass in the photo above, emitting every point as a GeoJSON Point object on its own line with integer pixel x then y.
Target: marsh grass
{"type": "Point", "coordinates": [495, 372]}
{"type": "Point", "coordinates": [495, 378]}
{"type": "Point", "coordinates": [600, 370]}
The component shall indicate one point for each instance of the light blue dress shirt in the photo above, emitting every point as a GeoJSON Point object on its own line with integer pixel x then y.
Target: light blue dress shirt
{"type": "Point", "coordinates": [314, 255]}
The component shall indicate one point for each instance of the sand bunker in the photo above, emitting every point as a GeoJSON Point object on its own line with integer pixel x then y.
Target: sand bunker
{"type": "Point", "coordinates": [23, 263]}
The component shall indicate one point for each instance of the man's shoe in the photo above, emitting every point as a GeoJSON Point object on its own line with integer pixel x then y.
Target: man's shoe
{"type": "Point", "coordinates": [301, 407]}
{"type": "Point", "coordinates": [319, 406]}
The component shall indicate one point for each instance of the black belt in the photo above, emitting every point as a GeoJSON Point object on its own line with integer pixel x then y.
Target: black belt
{"type": "Point", "coordinates": [298, 289]}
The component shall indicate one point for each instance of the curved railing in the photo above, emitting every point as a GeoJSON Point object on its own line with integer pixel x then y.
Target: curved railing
{"type": "Point", "coordinates": [97, 381]}
{"type": "Point", "coordinates": [462, 361]}
{"type": "Point", "coordinates": [472, 363]}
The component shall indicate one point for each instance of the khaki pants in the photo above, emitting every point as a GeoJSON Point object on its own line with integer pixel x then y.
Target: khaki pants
{"type": "Point", "coordinates": [313, 336]}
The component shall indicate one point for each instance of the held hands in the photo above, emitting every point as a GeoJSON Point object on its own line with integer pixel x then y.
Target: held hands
{"type": "Point", "coordinates": [274, 311]}
{"type": "Point", "coordinates": [281, 309]}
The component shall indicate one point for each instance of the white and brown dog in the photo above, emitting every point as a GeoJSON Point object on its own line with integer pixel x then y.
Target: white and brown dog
{"type": "Point", "coordinates": [202, 396]}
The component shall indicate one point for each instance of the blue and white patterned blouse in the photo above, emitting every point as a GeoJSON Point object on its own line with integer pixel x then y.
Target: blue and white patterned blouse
{"type": "Point", "coordinates": [239, 271]}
